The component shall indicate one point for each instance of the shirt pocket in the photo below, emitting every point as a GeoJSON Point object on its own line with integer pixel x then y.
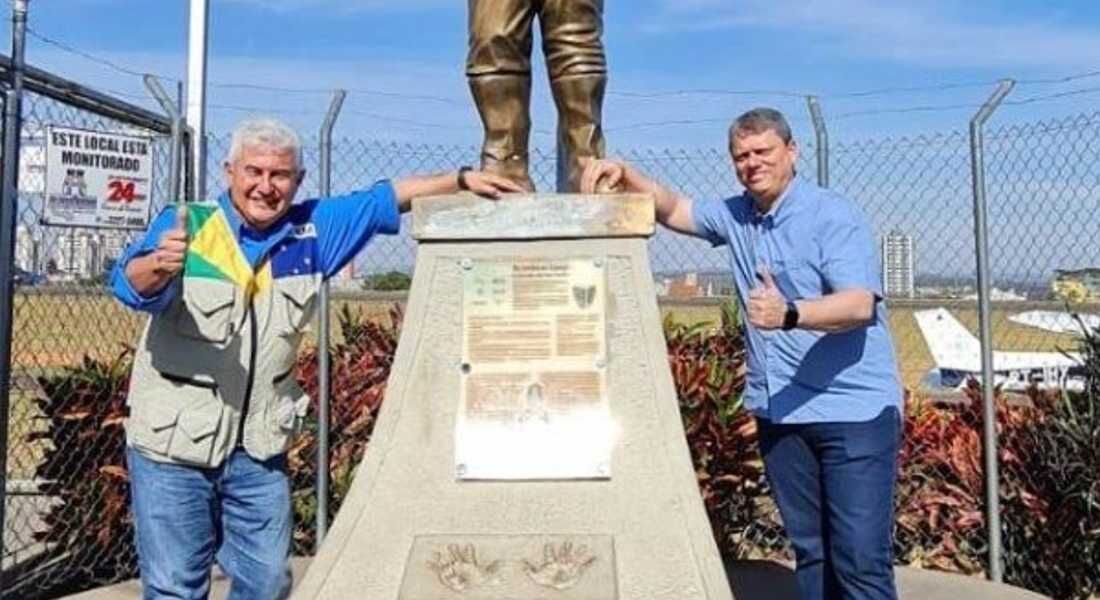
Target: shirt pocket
{"type": "Point", "coordinates": [796, 278]}
{"type": "Point", "coordinates": [206, 312]}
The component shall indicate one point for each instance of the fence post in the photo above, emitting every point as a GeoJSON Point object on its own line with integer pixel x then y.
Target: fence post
{"type": "Point", "coordinates": [989, 410]}
{"type": "Point", "coordinates": [13, 112]}
{"type": "Point", "coordinates": [324, 370]}
{"type": "Point", "coordinates": [189, 184]}
{"type": "Point", "coordinates": [197, 49]}
{"type": "Point", "coordinates": [154, 87]}
{"type": "Point", "coordinates": [822, 143]}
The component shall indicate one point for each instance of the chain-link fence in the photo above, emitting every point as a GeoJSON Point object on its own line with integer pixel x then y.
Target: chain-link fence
{"type": "Point", "coordinates": [65, 522]}
{"type": "Point", "coordinates": [62, 523]}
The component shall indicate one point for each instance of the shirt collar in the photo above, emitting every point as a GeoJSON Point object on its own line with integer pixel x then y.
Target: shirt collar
{"type": "Point", "coordinates": [242, 229]}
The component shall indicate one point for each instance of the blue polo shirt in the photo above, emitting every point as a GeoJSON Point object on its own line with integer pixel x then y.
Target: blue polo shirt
{"type": "Point", "coordinates": [814, 242]}
{"type": "Point", "coordinates": [343, 225]}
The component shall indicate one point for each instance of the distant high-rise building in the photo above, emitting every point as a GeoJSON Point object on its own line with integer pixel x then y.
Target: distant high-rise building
{"type": "Point", "coordinates": [27, 249]}
{"type": "Point", "coordinates": [897, 265]}
{"type": "Point", "coordinates": [79, 252]}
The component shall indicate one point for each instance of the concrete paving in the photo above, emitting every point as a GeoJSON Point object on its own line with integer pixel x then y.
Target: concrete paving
{"type": "Point", "coordinates": [750, 580]}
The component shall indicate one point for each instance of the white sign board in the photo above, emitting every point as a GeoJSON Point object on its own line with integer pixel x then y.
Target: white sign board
{"type": "Point", "coordinates": [97, 179]}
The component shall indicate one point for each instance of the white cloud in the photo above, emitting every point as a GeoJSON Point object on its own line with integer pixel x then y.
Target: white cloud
{"type": "Point", "coordinates": [931, 33]}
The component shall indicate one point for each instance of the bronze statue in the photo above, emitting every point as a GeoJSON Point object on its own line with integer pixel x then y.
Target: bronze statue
{"type": "Point", "coordinates": [499, 70]}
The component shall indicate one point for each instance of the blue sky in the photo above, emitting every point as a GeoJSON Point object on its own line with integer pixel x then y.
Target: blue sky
{"type": "Point", "coordinates": [680, 69]}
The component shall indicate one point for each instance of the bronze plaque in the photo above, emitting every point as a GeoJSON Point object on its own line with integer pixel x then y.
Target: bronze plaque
{"type": "Point", "coordinates": [533, 403]}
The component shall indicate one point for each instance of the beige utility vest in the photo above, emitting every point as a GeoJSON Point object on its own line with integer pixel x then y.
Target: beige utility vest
{"type": "Point", "coordinates": [215, 370]}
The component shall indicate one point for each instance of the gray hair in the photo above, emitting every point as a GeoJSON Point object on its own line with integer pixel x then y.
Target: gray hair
{"type": "Point", "coordinates": [761, 119]}
{"type": "Point", "coordinates": [265, 132]}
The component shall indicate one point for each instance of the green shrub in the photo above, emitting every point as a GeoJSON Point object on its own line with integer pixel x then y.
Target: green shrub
{"type": "Point", "coordinates": [1052, 513]}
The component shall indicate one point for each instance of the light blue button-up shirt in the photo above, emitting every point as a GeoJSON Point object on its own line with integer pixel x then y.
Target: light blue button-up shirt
{"type": "Point", "coordinates": [814, 242]}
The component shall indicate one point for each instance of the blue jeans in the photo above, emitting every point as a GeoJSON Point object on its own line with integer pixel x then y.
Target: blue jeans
{"type": "Point", "coordinates": [187, 517]}
{"type": "Point", "coordinates": [834, 484]}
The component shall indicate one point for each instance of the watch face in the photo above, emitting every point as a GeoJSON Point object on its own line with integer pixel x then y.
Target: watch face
{"type": "Point", "coordinates": [790, 318]}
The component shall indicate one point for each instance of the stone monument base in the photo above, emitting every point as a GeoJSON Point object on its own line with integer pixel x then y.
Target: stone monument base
{"type": "Point", "coordinates": [530, 445]}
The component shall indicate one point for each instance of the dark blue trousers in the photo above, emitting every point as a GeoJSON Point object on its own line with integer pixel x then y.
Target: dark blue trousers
{"type": "Point", "coordinates": [834, 484]}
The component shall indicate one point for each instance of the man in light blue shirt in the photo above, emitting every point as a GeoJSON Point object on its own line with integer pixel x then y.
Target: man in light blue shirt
{"type": "Point", "coordinates": [822, 378]}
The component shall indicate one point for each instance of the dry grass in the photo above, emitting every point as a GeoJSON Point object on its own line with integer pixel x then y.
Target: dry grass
{"type": "Point", "coordinates": [54, 330]}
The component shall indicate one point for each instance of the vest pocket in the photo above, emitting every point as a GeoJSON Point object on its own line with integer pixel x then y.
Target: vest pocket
{"type": "Point", "coordinates": [151, 426]}
{"type": "Point", "coordinates": [299, 301]}
{"type": "Point", "coordinates": [206, 311]}
{"type": "Point", "coordinates": [181, 424]}
{"type": "Point", "coordinates": [286, 414]}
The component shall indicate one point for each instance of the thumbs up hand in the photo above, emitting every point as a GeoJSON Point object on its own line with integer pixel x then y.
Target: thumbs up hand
{"type": "Point", "coordinates": [170, 253]}
{"type": "Point", "coordinates": [767, 305]}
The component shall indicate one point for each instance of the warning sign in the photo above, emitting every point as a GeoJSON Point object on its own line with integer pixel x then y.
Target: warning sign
{"type": "Point", "coordinates": [97, 179]}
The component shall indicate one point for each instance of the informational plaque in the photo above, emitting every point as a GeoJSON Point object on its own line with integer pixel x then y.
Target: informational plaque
{"type": "Point", "coordinates": [533, 403]}
{"type": "Point", "coordinates": [97, 179]}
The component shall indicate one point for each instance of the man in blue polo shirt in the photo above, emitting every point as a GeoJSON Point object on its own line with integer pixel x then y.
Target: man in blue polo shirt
{"type": "Point", "coordinates": [231, 286]}
{"type": "Point", "coordinates": [822, 378]}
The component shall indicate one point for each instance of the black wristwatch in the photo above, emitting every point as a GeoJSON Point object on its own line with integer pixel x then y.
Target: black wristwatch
{"type": "Point", "coordinates": [462, 185]}
{"type": "Point", "coordinates": [790, 318]}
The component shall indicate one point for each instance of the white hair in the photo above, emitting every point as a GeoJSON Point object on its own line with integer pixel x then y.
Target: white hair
{"type": "Point", "coordinates": [269, 132]}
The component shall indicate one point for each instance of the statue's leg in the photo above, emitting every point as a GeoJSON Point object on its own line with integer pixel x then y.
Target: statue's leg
{"type": "Point", "coordinates": [571, 31]}
{"type": "Point", "coordinates": [499, 71]}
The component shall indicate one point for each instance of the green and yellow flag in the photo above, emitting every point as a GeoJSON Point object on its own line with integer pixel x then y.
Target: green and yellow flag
{"type": "Point", "coordinates": [213, 253]}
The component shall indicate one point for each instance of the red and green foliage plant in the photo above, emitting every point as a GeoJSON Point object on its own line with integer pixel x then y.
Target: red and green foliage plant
{"type": "Point", "coordinates": [708, 369]}
{"type": "Point", "coordinates": [87, 530]}
{"type": "Point", "coordinates": [1052, 497]}
{"type": "Point", "coordinates": [1049, 455]}
{"type": "Point", "coordinates": [360, 366]}
{"type": "Point", "coordinates": [940, 498]}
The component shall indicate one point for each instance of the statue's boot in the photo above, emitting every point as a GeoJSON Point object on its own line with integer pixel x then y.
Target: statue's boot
{"type": "Point", "coordinates": [503, 101]}
{"type": "Point", "coordinates": [579, 98]}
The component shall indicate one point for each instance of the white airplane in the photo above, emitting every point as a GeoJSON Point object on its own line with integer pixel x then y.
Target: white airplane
{"type": "Point", "coordinates": [958, 358]}
{"type": "Point", "coordinates": [1056, 321]}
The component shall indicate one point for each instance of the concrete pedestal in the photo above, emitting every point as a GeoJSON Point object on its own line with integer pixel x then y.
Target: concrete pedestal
{"type": "Point", "coordinates": [412, 530]}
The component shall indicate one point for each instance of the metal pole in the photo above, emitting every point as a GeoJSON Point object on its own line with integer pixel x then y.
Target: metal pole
{"type": "Point", "coordinates": [13, 111]}
{"type": "Point", "coordinates": [989, 409]}
{"type": "Point", "coordinates": [74, 95]}
{"type": "Point", "coordinates": [323, 332]}
{"type": "Point", "coordinates": [189, 163]}
{"type": "Point", "coordinates": [562, 165]}
{"type": "Point", "coordinates": [181, 144]}
{"type": "Point", "coordinates": [822, 136]}
{"type": "Point", "coordinates": [196, 90]}
{"type": "Point", "coordinates": [169, 107]}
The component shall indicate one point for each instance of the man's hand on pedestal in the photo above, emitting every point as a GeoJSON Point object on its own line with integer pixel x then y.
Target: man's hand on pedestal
{"type": "Point", "coordinates": [487, 184]}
